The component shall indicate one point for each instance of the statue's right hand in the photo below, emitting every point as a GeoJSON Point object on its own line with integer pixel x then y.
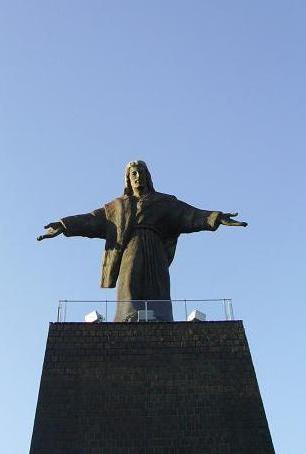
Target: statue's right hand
{"type": "Point", "coordinates": [53, 229]}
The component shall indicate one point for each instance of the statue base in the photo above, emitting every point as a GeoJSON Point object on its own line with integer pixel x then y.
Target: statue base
{"type": "Point", "coordinates": [180, 387]}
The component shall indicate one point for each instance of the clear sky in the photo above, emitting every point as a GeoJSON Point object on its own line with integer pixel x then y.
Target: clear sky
{"type": "Point", "coordinates": [212, 95]}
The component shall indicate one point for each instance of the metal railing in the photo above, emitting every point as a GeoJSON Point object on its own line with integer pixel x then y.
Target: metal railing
{"type": "Point", "coordinates": [225, 302]}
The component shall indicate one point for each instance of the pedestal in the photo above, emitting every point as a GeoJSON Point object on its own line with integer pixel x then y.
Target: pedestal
{"type": "Point", "coordinates": [180, 387]}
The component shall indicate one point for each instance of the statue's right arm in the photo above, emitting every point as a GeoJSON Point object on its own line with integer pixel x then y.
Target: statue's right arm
{"type": "Point", "coordinates": [90, 225]}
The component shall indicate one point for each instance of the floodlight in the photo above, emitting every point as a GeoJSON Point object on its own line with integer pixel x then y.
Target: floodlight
{"type": "Point", "coordinates": [196, 316]}
{"type": "Point", "coordinates": [94, 317]}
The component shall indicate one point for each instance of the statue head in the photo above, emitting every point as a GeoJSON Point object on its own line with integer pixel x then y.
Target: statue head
{"type": "Point", "coordinates": [137, 176]}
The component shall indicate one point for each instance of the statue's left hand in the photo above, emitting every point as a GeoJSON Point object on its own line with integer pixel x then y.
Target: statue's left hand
{"type": "Point", "coordinates": [225, 219]}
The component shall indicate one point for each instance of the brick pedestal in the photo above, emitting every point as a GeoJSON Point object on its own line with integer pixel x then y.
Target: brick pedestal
{"type": "Point", "coordinates": [149, 388]}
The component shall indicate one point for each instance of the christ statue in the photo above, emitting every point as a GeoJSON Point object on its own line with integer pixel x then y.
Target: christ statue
{"type": "Point", "coordinates": [141, 229]}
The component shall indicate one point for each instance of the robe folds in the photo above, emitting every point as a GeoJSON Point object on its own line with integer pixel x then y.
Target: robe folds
{"type": "Point", "coordinates": [141, 236]}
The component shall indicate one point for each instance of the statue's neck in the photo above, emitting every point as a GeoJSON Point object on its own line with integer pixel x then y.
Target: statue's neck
{"type": "Point", "coordinates": [139, 192]}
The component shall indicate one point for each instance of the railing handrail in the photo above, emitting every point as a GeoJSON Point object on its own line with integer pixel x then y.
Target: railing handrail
{"type": "Point", "coordinates": [129, 301]}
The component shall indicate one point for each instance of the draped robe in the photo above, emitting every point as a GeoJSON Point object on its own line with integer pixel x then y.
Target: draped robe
{"type": "Point", "coordinates": [141, 236]}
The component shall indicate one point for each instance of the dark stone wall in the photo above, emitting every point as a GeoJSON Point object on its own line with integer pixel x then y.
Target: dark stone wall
{"type": "Point", "coordinates": [151, 388]}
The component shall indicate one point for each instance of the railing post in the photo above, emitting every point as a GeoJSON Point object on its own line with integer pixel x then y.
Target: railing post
{"type": "Point", "coordinates": [65, 311]}
{"type": "Point", "coordinates": [146, 309]}
{"type": "Point", "coordinates": [231, 310]}
{"type": "Point", "coordinates": [228, 308]}
{"type": "Point", "coordinates": [106, 310]}
{"type": "Point", "coordinates": [59, 311]}
{"type": "Point", "coordinates": [225, 309]}
{"type": "Point", "coordinates": [186, 315]}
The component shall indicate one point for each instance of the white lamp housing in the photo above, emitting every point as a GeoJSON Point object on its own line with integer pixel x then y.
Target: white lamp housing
{"type": "Point", "coordinates": [196, 316]}
{"type": "Point", "coordinates": [94, 316]}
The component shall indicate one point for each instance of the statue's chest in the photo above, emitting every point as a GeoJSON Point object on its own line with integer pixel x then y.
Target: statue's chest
{"type": "Point", "coordinates": [150, 211]}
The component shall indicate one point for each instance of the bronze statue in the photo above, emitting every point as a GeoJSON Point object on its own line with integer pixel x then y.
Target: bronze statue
{"type": "Point", "coordinates": [141, 229]}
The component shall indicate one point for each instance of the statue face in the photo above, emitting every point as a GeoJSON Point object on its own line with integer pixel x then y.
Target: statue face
{"type": "Point", "coordinates": [138, 177]}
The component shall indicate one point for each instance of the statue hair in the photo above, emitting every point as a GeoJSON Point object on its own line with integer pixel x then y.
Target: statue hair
{"type": "Point", "coordinates": [128, 187]}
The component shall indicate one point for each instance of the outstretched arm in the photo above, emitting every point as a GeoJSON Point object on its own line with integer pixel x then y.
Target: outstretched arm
{"type": "Point", "coordinates": [90, 225]}
{"type": "Point", "coordinates": [186, 218]}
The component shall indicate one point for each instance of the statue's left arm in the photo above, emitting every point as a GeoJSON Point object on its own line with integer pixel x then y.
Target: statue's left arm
{"type": "Point", "coordinates": [187, 219]}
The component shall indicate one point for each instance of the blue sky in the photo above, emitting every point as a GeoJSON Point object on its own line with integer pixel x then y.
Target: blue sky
{"type": "Point", "coordinates": [212, 96]}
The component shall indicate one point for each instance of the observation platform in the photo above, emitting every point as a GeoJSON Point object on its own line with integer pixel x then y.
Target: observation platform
{"type": "Point", "coordinates": [212, 309]}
